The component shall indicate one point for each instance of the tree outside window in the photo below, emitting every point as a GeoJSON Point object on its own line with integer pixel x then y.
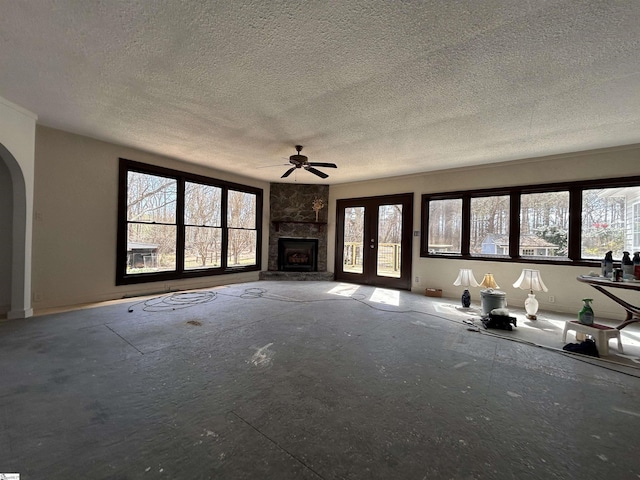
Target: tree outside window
{"type": "Point", "coordinates": [241, 220]}
{"type": "Point", "coordinates": [151, 217]}
{"type": "Point", "coordinates": [607, 223]}
{"type": "Point", "coordinates": [490, 225]}
{"type": "Point", "coordinates": [445, 226]}
{"type": "Point", "coordinates": [173, 224]}
{"type": "Point", "coordinates": [544, 224]}
{"type": "Point", "coordinates": [568, 223]}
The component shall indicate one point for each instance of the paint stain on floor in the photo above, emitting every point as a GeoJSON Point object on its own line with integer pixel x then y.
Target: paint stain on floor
{"type": "Point", "coordinates": [262, 357]}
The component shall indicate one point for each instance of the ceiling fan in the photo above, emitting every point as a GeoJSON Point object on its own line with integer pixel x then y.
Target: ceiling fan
{"type": "Point", "coordinates": [301, 161]}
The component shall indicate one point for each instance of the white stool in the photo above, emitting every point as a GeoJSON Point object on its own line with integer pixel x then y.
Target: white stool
{"type": "Point", "coordinates": [601, 334]}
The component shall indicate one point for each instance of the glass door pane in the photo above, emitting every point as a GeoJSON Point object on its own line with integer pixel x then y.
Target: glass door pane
{"type": "Point", "coordinates": [389, 240]}
{"type": "Point", "coordinates": [353, 239]}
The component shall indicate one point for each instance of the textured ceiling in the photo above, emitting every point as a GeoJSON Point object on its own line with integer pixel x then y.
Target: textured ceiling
{"type": "Point", "coordinates": [380, 87]}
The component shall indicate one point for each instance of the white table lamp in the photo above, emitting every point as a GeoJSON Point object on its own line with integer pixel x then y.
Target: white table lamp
{"type": "Point", "coordinates": [466, 279]}
{"type": "Point", "coordinates": [531, 280]}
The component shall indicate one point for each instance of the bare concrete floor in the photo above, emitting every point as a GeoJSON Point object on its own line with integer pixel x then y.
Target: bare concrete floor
{"type": "Point", "coordinates": [316, 380]}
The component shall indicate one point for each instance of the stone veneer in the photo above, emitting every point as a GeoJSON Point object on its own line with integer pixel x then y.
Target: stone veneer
{"type": "Point", "coordinates": [294, 202]}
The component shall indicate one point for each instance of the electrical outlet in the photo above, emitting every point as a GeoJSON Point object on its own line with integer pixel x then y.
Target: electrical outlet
{"type": "Point", "coordinates": [417, 279]}
{"type": "Point", "coordinates": [552, 299]}
{"type": "Point", "coordinates": [37, 297]}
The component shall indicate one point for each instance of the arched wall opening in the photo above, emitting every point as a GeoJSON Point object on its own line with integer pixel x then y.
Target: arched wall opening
{"type": "Point", "coordinates": [18, 285]}
{"type": "Point", "coordinates": [6, 237]}
{"type": "Point", "coordinates": [17, 157]}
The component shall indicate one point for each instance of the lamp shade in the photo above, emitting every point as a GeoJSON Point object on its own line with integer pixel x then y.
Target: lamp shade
{"type": "Point", "coordinates": [531, 280]}
{"type": "Point", "coordinates": [465, 278]}
{"type": "Point", "coordinates": [489, 282]}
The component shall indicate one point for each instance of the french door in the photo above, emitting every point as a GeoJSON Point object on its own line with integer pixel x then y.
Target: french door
{"type": "Point", "coordinates": [374, 240]}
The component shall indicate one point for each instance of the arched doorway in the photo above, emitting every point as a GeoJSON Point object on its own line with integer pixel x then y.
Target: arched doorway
{"type": "Point", "coordinates": [15, 286]}
{"type": "Point", "coordinates": [6, 237]}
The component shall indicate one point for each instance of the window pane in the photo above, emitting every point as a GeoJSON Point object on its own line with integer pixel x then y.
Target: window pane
{"type": "Point", "coordinates": [241, 211]}
{"type": "Point", "coordinates": [445, 226]}
{"type": "Point", "coordinates": [610, 221]}
{"type": "Point", "coordinates": [202, 247]}
{"type": "Point", "coordinates": [635, 225]}
{"type": "Point", "coordinates": [151, 198]}
{"type": "Point", "coordinates": [389, 237]}
{"type": "Point", "coordinates": [490, 225]}
{"type": "Point", "coordinates": [241, 251]}
{"type": "Point", "coordinates": [202, 205]}
{"type": "Point", "coordinates": [353, 239]}
{"type": "Point", "coordinates": [151, 248]}
{"type": "Point", "coordinates": [544, 224]}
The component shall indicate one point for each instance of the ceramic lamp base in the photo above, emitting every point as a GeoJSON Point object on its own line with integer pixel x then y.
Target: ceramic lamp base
{"type": "Point", "coordinates": [531, 307]}
{"type": "Point", "coordinates": [466, 299]}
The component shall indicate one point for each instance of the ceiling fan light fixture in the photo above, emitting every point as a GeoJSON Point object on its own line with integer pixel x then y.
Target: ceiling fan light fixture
{"type": "Point", "coordinates": [299, 161]}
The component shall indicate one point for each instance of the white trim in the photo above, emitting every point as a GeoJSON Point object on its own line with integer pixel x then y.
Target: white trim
{"type": "Point", "coordinates": [18, 108]}
{"type": "Point", "coordinates": [20, 314]}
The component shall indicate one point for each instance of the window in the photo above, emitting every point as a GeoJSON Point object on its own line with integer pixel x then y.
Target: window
{"type": "Point", "coordinates": [604, 222]}
{"type": "Point", "coordinates": [178, 225]}
{"type": "Point", "coordinates": [203, 226]}
{"type": "Point", "coordinates": [151, 223]}
{"type": "Point", "coordinates": [544, 224]}
{"type": "Point", "coordinates": [636, 227]}
{"type": "Point", "coordinates": [570, 223]}
{"type": "Point", "coordinates": [241, 220]}
{"type": "Point", "coordinates": [490, 225]}
{"type": "Point", "coordinates": [445, 226]}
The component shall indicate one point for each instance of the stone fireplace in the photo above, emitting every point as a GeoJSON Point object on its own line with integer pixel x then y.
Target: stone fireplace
{"type": "Point", "coordinates": [298, 254]}
{"type": "Point", "coordinates": [293, 226]}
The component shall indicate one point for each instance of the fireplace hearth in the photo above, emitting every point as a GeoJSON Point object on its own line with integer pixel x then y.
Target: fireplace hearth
{"type": "Point", "coordinates": [298, 254]}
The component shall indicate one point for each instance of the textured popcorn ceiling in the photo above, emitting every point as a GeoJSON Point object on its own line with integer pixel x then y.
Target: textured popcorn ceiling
{"type": "Point", "coordinates": [381, 88]}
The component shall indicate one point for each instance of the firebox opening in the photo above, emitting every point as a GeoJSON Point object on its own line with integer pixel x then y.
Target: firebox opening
{"type": "Point", "coordinates": [298, 254]}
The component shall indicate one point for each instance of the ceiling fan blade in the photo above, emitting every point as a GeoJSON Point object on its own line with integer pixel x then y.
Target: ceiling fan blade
{"type": "Point", "coordinates": [316, 172]}
{"type": "Point", "coordinates": [288, 172]}
{"type": "Point", "coordinates": [273, 165]}
{"type": "Point", "coordinates": [321, 164]}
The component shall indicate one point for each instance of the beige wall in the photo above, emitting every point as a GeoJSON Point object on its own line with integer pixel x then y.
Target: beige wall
{"type": "Point", "coordinates": [76, 202]}
{"type": "Point", "coordinates": [440, 273]}
{"type": "Point", "coordinates": [75, 220]}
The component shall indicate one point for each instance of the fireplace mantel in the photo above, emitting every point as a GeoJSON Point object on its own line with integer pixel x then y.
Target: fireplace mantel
{"type": "Point", "coordinates": [291, 215]}
{"type": "Point", "coordinates": [277, 224]}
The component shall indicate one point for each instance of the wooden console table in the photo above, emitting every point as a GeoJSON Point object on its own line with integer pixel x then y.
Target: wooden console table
{"type": "Point", "coordinates": [601, 284]}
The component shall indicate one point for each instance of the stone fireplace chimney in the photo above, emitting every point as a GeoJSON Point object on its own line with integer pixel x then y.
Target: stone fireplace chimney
{"type": "Point", "coordinates": [292, 217]}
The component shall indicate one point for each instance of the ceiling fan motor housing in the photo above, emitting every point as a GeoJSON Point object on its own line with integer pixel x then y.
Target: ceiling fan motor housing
{"type": "Point", "coordinates": [299, 161]}
{"type": "Point", "coordinates": [298, 158]}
